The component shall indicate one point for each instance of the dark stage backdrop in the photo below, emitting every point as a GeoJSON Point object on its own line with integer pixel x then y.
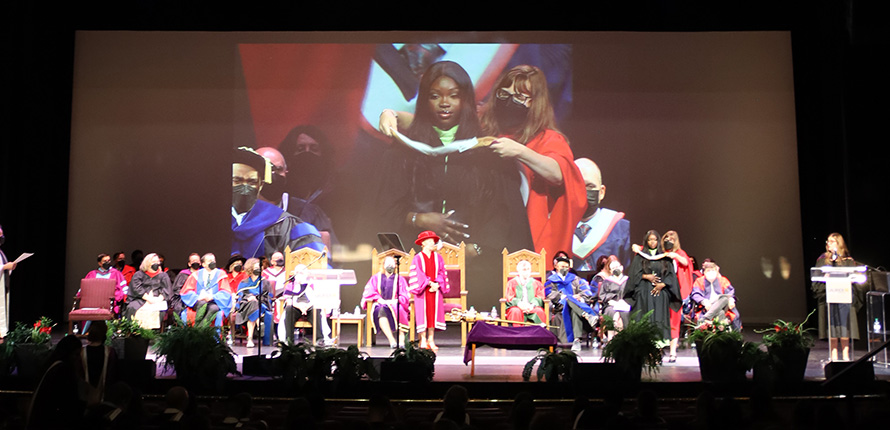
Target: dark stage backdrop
{"type": "Point", "coordinates": [694, 132]}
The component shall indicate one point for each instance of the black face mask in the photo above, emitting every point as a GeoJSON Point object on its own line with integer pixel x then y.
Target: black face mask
{"type": "Point", "coordinates": [308, 173]}
{"type": "Point", "coordinates": [243, 198]}
{"type": "Point", "coordinates": [106, 265]}
{"type": "Point", "coordinates": [211, 266]}
{"type": "Point", "coordinates": [195, 266]}
{"type": "Point", "coordinates": [668, 245]}
{"type": "Point", "coordinates": [510, 114]}
{"type": "Point", "coordinates": [273, 191]}
{"type": "Point", "coordinates": [593, 202]}
{"type": "Point", "coordinates": [256, 272]}
{"type": "Point", "coordinates": [237, 268]}
{"type": "Point", "coordinates": [279, 263]}
{"type": "Point", "coordinates": [155, 267]}
{"type": "Point", "coordinates": [2, 240]}
{"type": "Point", "coordinates": [119, 264]}
{"type": "Point", "coordinates": [616, 272]}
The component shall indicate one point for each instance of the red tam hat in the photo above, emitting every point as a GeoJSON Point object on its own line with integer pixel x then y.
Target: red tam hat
{"type": "Point", "coordinates": [424, 235]}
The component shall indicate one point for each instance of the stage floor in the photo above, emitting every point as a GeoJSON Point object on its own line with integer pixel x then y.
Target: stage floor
{"type": "Point", "coordinates": [501, 365]}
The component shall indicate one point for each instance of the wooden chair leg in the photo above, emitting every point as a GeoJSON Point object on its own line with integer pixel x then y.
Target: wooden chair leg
{"type": "Point", "coordinates": [473, 359]}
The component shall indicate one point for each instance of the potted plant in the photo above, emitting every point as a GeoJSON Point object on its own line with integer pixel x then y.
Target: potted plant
{"type": "Point", "coordinates": [129, 339]}
{"type": "Point", "coordinates": [196, 352]}
{"type": "Point", "coordinates": [323, 368]}
{"type": "Point", "coordinates": [410, 363]}
{"type": "Point", "coordinates": [788, 346]}
{"type": "Point", "coordinates": [552, 366]}
{"type": "Point", "coordinates": [30, 346]}
{"type": "Point", "coordinates": [723, 355]}
{"type": "Point", "coordinates": [636, 345]}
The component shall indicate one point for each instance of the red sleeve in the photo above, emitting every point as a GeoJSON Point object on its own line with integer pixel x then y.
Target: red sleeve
{"type": "Point", "coordinates": [511, 290]}
{"type": "Point", "coordinates": [554, 211]}
{"type": "Point", "coordinates": [189, 285]}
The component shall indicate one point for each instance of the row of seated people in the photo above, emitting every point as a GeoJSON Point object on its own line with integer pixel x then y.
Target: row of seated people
{"type": "Point", "coordinates": [577, 305]}
{"type": "Point", "coordinates": [152, 298]}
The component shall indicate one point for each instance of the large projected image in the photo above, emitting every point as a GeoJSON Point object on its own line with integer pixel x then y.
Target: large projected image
{"type": "Point", "coordinates": [579, 143]}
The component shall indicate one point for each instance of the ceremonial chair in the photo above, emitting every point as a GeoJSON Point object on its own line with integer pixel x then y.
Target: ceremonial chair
{"type": "Point", "coordinates": [404, 269]}
{"type": "Point", "coordinates": [312, 259]}
{"type": "Point", "coordinates": [456, 268]}
{"type": "Point", "coordinates": [539, 272]}
{"type": "Point", "coordinates": [96, 302]}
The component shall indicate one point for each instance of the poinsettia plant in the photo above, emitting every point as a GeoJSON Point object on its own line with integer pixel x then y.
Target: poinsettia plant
{"type": "Point", "coordinates": [39, 333]}
{"type": "Point", "coordinates": [785, 334]}
{"type": "Point", "coordinates": [707, 329]}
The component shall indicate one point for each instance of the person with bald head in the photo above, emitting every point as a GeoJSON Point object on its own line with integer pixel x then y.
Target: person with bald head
{"type": "Point", "coordinates": [260, 228]}
{"type": "Point", "coordinates": [276, 193]}
{"type": "Point", "coordinates": [601, 231]}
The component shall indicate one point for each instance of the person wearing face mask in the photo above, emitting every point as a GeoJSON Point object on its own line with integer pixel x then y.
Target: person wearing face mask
{"type": "Point", "coordinates": [428, 282]}
{"type": "Point", "coordinates": [576, 299]}
{"type": "Point", "coordinates": [653, 284]}
{"type": "Point", "coordinates": [260, 228]}
{"type": "Point", "coordinates": [275, 273]}
{"type": "Point", "coordinates": [683, 268]}
{"type": "Point", "coordinates": [150, 285]}
{"type": "Point", "coordinates": [601, 231]}
{"type": "Point", "coordinates": [6, 268]}
{"type": "Point", "coordinates": [309, 158]}
{"type": "Point", "coordinates": [249, 298]}
{"type": "Point", "coordinates": [389, 292]}
{"type": "Point", "coordinates": [525, 296]}
{"type": "Point", "coordinates": [715, 295]}
{"type": "Point", "coordinates": [194, 265]}
{"type": "Point", "coordinates": [235, 270]}
{"type": "Point", "coordinates": [520, 115]}
{"type": "Point", "coordinates": [611, 295]}
{"type": "Point", "coordinates": [208, 286]}
{"type": "Point", "coordinates": [277, 194]}
{"type": "Point", "coordinates": [107, 271]}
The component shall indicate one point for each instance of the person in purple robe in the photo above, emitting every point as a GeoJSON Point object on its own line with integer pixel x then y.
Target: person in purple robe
{"type": "Point", "coordinates": [381, 290]}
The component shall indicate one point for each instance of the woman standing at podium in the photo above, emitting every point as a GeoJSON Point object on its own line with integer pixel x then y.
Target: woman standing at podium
{"type": "Point", "coordinates": [839, 334]}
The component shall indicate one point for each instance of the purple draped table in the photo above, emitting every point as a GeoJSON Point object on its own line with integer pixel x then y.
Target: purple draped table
{"type": "Point", "coordinates": [526, 337]}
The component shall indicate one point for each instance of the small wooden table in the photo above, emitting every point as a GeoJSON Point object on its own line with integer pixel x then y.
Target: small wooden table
{"type": "Point", "coordinates": [357, 319]}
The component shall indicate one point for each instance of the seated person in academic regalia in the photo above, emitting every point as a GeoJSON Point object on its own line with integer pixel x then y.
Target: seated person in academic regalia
{"type": "Point", "coordinates": [601, 231]}
{"type": "Point", "coordinates": [525, 296]}
{"type": "Point", "coordinates": [611, 296]}
{"type": "Point", "coordinates": [260, 228]}
{"type": "Point", "coordinates": [382, 290]}
{"type": "Point", "coordinates": [715, 295]}
{"type": "Point", "coordinates": [298, 295]}
{"type": "Point", "coordinates": [207, 286]}
{"type": "Point", "coordinates": [574, 299]}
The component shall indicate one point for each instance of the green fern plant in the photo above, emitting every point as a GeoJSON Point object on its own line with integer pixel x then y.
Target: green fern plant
{"type": "Point", "coordinates": [552, 366]}
{"type": "Point", "coordinates": [636, 345]}
{"type": "Point", "coordinates": [196, 351]}
{"type": "Point", "coordinates": [412, 353]}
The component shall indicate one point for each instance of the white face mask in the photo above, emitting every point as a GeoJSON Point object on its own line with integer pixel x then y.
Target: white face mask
{"type": "Point", "coordinates": [711, 275]}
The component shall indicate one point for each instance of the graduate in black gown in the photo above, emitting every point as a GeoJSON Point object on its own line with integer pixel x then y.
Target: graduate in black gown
{"type": "Point", "coordinates": [653, 284]}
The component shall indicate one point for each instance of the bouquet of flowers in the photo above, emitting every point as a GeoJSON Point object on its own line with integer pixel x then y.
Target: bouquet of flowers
{"type": "Point", "coordinates": [39, 334]}
{"type": "Point", "coordinates": [787, 335]}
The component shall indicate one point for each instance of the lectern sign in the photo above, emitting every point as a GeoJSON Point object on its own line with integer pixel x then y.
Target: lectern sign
{"type": "Point", "coordinates": [838, 290]}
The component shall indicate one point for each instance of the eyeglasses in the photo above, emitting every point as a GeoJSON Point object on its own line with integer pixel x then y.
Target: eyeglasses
{"type": "Point", "coordinates": [251, 182]}
{"type": "Point", "coordinates": [503, 94]}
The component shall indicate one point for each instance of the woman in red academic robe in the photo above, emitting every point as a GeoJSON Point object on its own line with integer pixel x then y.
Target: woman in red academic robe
{"type": "Point", "coordinates": [519, 113]}
{"type": "Point", "coordinates": [428, 281]}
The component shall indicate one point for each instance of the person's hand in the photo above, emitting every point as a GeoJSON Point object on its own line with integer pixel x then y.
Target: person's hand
{"type": "Point", "coordinates": [656, 289]}
{"type": "Point", "coordinates": [706, 304]}
{"type": "Point", "coordinates": [636, 248]}
{"type": "Point", "coordinates": [451, 231]}
{"type": "Point", "coordinates": [388, 122]}
{"type": "Point", "coordinates": [731, 303]}
{"type": "Point", "coordinates": [577, 296]}
{"type": "Point", "coordinates": [434, 286]}
{"type": "Point", "coordinates": [251, 298]}
{"type": "Point", "coordinates": [507, 148]}
{"type": "Point", "coordinates": [9, 266]}
{"type": "Point", "coordinates": [673, 255]}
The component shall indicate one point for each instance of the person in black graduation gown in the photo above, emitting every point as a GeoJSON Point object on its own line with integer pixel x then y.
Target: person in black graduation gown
{"type": "Point", "coordinates": [653, 284]}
